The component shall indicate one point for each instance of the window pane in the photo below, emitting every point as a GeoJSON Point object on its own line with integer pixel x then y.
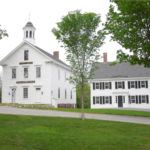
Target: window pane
{"type": "Point", "coordinates": [143, 84]}
{"type": "Point", "coordinates": [25, 92]}
{"type": "Point", "coordinates": [13, 73]}
{"type": "Point", "coordinates": [26, 55]}
{"type": "Point", "coordinates": [132, 84]}
{"type": "Point", "coordinates": [25, 72]}
{"type": "Point", "coordinates": [97, 85]}
{"type": "Point", "coordinates": [106, 84]}
{"type": "Point", "coordinates": [38, 72]}
{"type": "Point", "coordinates": [97, 100]}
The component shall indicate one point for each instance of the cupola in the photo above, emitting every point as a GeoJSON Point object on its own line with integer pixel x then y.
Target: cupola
{"type": "Point", "coordinates": [29, 32]}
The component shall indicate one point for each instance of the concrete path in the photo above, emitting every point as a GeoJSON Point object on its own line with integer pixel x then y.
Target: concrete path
{"type": "Point", "coordinates": [38, 112]}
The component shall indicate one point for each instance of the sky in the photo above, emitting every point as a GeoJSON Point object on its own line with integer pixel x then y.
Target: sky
{"type": "Point", "coordinates": [44, 14]}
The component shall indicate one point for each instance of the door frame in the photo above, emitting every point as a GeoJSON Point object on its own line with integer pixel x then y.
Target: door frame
{"type": "Point", "coordinates": [13, 94]}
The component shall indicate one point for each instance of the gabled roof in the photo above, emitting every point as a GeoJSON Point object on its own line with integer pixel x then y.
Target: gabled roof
{"type": "Point", "coordinates": [38, 49]}
{"type": "Point", "coordinates": [49, 55]}
{"type": "Point", "coordinates": [120, 70]}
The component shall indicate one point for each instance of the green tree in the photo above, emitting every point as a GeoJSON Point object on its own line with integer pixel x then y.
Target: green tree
{"type": "Point", "coordinates": [3, 33]}
{"type": "Point", "coordinates": [81, 39]}
{"type": "Point", "coordinates": [86, 96]}
{"type": "Point", "coordinates": [128, 23]}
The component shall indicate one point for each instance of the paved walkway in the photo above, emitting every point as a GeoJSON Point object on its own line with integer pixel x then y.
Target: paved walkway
{"type": "Point", "coordinates": [38, 112]}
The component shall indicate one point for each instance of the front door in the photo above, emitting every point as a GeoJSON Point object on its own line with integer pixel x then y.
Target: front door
{"type": "Point", "coordinates": [120, 101]}
{"type": "Point", "coordinates": [13, 95]}
{"type": "Point", "coordinates": [38, 95]}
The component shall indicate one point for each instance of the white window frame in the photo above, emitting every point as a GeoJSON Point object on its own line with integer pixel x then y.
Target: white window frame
{"type": "Point", "coordinates": [106, 85]}
{"type": "Point", "coordinates": [119, 85]}
{"type": "Point", "coordinates": [38, 71]}
{"type": "Point", "coordinates": [143, 84]}
{"type": "Point", "coordinates": [26, 55]}
{"type": "Point", "coordinates": [97, 85]}
{"type": "Point", "coordinates": [107, 100]}
{"type": "Point", "coordinates": [26, 74]}
{"type": "Point", "coordinates": [133, 99]}
{"type": "Point", "coordinates": [143, 99]}
{"type": "Point", "coordinates": [14, 75]}
{"type": "Point", "coordinates": [132, 84]}
{"type": "Point", "coordinates": [25, 92]}
{"type": "Point", "coordinates": [97, 100]}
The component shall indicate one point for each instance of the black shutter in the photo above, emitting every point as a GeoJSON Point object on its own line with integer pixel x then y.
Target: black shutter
{"type": "Point", "coordinates": [93, 99]}
{"type": "Point", "coordinates": [147, 98]}
{"type": "Point", "coordinates": [116, 85]}
{"type": "Point", "coordinates": [100, 85]}
{"type": "Point", "coordinates": [136, 99]}
{"type": "Point", "coordinates": [103, 86]}
{"type": "Point", "coordinates": [109, 85]}
{"type": "Point", "coordinates": [103, 100]}
{"type": "Point", "coordinates": [93, 86]}
{"type": "Point", "coordinates": [123, 84]}
{"type": "Point", "coordinates": [110, 100]}
{"type": "Point", "coordinates": [139, 84]}
{"type": "Point", "coordinates": [146, 84]}
{"type": "Point", "coordinates": [129, 100]}
{"type": "Point", "coordinates": [128, 84]}
{"type": "Point", "coordinates": [136, 84]}
{"type": "Point", "coordinates": [139, 99]}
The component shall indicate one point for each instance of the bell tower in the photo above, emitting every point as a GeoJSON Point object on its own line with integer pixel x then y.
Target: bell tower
{"type": "Point", "coordinates": [29, 32]}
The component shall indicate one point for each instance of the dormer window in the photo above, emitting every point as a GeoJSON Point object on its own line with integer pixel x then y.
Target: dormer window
{"type": "Point", "coordinates": [26, 55]}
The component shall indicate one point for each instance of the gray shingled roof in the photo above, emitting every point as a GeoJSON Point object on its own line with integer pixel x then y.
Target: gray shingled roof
{"type": "Point", "coordinates": [49, 55]}
{"type": "Point", "coordinates": [123, 70]}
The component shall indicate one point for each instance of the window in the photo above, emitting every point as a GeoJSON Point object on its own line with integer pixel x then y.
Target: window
{"type": "Point", "coordinates": [97, 86]}
{"type": "Point", "coordinates": [143, 98]}
{"type": "Point", "coordinates": [26, 34]}
{"type": "Point", "coordinates": [13, 73]}
{"type": "Point", "coordinates": [119, 85]}
{"type": "Point", "coordinates": [38, 72]}
{"type": "Point", "coordinates": [25, 72]}
{"type": "Point", "coordinates": [25, 92]}
{"type": "Point", "coordinates": [58, 92]}
{"type": "Point", "coordinates": [107, 99]}
{"type": "Point", "coordinates": [143, 84]}
{"type": "Point", "coordinates": [106, 85]}
{"type": "Point", "coordinates": [38, 89]}
{"type": "Point", "coordinates": [26, 55]}
{"type": "Point", "coordinates": [132, 99]}
{"type": "Point", "coordinates": [65, 94]}
{"type": "Point", "coordinates": [97, 100]}
{"type": "Point", "coordinates": [71, 94]}
{"type": "Point", "coordinates": [132, 84]}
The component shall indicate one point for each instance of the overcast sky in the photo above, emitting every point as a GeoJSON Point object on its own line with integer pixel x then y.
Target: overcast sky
{"type": "Point", "coordinates": [14, 14]}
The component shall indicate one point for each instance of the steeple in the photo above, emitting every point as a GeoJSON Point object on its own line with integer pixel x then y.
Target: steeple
{"type": "Point", "coordinates": [29, 32]}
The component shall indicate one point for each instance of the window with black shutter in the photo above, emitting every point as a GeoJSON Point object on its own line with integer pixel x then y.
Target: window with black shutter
{"type": "Point", "coordinates": [115, 85]}
{"type": "Point", "coordinates": [123, 85]}
{"type": "Point", "coordinates": [136, 99]}
{"type": "Point", "coordinates": [128, 84]}
{"type": "Point", "coordinates": [109, 85]}
{"type": "Point", "coordinates": [146, 84]}
{"type": "Point", "coordinates": [103, 100]}
{"type": "Point", "coordinates": [110, 100]}
{"type": "Point", "coordinates": [93, 99]}
{"type": "Point", "coordinates": [139, 99]}
{"type": "Point", "coordinates": [129, 99]}
{"type": "Point", "coordinates": [136, 84]}
{"type": "Point", "coordinates": [139, 84]}
{"type": "Point", "coordinates": [147, 98]}
{"type": "Point", "coordinates": [93, 86]}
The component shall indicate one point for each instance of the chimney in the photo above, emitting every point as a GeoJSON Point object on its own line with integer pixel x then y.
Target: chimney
{"type": "Point", "coordinates": [105, 57]}
{"type": "Point", "coordinates": [56, 54]}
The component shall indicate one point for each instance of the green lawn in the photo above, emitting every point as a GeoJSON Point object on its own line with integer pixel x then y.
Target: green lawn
{"type": "Point", "coordinates": [96, 111]}
{"type": "Point", "coordinates": [51, 133]}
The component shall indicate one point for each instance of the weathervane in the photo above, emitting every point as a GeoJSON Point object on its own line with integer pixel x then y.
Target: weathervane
{"type": "Point", "coordinates": [29, 16]}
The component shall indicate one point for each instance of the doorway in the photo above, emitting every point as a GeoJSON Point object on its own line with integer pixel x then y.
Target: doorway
{"type": "Point", "coordinates": [120, 101]}
{"type": "Point", "coordinates": [13, 95]}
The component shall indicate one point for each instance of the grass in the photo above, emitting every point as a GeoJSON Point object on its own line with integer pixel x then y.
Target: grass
{"type": "Point", "coordinates": [50, 133]}
{"type": "Point", "coordinates": [96, 111]}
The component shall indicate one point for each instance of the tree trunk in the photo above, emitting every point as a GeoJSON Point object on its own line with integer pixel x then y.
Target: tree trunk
{"type": "Point", "coordinates": [82, 102]}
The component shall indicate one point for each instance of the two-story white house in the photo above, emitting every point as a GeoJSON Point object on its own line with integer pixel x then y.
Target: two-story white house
{"type": "Point", "coordinates": [33, 76]}
{"type": "Point", "coordinates": [121, 85]}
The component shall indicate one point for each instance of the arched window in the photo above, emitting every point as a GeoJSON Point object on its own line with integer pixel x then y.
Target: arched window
{"type": "Point", "coordinates": [26, 34]}
{"type": "Point", "coordinates": [30, 34]}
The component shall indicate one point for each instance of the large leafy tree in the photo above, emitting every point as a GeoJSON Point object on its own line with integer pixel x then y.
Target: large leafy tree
{"type": "Point", "coordinates": [128, 23]}
{"type": "Point", "coordinates": [81, 37]}
{"type": "Point", "coordinates": [3, 33]}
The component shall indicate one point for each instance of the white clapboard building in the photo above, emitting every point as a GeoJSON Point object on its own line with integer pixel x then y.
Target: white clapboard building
{"type": "Point", "coordinates": [121, 85]}
{"type": "Point", "coordinates": [33, 76]}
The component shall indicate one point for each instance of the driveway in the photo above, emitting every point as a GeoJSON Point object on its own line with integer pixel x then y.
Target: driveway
{"type": "Point", "coordinates": [53, 113]}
